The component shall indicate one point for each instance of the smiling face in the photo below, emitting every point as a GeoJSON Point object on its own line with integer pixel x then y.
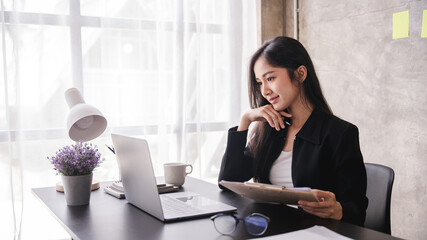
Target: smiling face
{"type": "Point", "coordinates": [276, 86]}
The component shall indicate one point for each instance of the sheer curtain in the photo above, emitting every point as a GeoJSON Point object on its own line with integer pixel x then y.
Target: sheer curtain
{"type": "Point", "coordinates": [170, 71]}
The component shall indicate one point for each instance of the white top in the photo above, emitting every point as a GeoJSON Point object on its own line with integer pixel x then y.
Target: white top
{"type": "Point", "coordinates": [281, 171]}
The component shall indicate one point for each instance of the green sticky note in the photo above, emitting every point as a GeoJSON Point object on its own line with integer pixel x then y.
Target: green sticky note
{"type": "Point", "coordinates": [424, 26]}
{"type": "Point", "coordinates": [401, 25]}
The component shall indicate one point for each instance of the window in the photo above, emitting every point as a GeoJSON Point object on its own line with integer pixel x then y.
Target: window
{"type": "Point", "coordinates": [173, 72]}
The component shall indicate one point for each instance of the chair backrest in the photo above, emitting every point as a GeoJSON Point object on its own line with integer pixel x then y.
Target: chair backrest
{"type": "Point", "coordinates": [379, 187]}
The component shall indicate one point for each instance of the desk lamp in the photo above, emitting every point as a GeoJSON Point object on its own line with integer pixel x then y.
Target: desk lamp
{"type": "Point", "coordinates": [84, 122]}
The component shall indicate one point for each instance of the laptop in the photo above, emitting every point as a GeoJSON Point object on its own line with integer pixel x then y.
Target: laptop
{"type": "Point", "coordinates": [140, 186]}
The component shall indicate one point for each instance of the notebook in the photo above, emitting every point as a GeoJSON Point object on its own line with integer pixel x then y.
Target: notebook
{"type": "Point", "coordinates": [140, 186]}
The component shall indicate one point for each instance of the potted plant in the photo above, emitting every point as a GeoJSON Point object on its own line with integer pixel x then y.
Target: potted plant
{"type": "Point", "coordinates": [75, 164]}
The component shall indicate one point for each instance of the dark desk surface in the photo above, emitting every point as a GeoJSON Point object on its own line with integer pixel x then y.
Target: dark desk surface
{"type": "Point", "coordinates": [107, 217]}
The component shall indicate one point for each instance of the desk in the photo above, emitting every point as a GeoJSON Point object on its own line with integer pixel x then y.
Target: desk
{"type": "Point", "coordinates": [107, 217]}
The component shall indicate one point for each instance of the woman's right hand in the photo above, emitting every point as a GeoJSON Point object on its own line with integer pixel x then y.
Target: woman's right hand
{"type": "Point", "coordinates": [265, 113]}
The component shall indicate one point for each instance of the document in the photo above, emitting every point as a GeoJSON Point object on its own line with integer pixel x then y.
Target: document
{"type": "Point", "coordinates": [270, 193]}
{"type": "Point", "coordinates": [313, 233]}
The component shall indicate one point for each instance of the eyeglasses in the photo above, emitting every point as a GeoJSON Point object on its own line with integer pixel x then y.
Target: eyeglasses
{"type": "Point", "coordinates": [255, 224]}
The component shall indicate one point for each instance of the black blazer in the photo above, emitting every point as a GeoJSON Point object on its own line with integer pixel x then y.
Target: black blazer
{"type": "Point", "coordinates": [326, 156]}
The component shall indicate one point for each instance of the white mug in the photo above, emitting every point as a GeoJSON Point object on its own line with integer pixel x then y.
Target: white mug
{"type": "Point", "coordinates": [175, 173]}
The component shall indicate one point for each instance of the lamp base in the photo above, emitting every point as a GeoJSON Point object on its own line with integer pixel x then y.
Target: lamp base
{"type": "Point", "coordinates": [95, 186]}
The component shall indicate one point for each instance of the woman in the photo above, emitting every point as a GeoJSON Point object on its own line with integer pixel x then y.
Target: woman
{"type": "Point", "coordinates": [297, 141]}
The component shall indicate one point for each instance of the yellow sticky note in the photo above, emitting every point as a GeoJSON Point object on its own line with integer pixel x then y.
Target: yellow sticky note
{"type": "Point", "coordinates": [401, 25]}
{"type": "Point", "coordinates": [424, 26]}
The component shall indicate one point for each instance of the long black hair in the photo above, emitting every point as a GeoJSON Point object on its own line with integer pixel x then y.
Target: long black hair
{"type": "Point", "coordinates": [266, 143]}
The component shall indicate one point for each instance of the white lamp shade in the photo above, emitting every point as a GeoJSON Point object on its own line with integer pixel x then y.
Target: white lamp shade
{"type": "Point", "coordinates": [84, 122]}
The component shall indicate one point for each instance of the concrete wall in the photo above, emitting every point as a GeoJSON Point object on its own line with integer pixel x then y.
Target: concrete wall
{"type": "Point", "coordinates": [379, 84]}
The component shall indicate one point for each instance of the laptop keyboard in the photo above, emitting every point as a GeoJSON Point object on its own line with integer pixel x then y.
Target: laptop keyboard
{"type": "Point", "coordinates": [173, 207]}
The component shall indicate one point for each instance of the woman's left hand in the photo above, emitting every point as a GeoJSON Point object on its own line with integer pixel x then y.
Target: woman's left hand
{"type": "Point", "coordinates": [326, 207]}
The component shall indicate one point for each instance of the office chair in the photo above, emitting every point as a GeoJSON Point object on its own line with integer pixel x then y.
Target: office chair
{"type": "Point", "coordinates": [379, 186]}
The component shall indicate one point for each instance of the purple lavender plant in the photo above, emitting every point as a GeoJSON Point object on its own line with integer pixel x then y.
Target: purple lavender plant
{"type": "Point", "coordinates": [75, 160]}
